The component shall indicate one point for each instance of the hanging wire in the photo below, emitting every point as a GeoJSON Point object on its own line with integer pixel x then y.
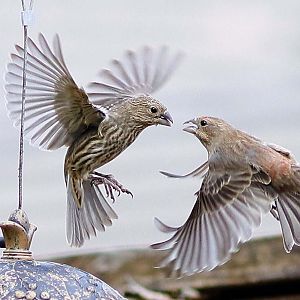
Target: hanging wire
{"type": "Point", "coordinates": [26, 18]}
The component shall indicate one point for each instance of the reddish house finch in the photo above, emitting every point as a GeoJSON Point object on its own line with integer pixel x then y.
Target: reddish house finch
{"type": "Point", "coordinates": [96, 127]}
{"type": "Point", "coordinates": [243, 179]}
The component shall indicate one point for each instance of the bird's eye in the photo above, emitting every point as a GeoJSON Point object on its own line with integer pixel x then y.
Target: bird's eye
{"type": "Point", "coordinates": [203, 123]}
{"type": "Point", "coordinates": [153, 109]}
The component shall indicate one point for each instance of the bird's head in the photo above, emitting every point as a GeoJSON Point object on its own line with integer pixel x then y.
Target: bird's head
{"type": "Point", "coordinates": [146, 111]}
{"type": "Point", "coordinates": [208, 130]}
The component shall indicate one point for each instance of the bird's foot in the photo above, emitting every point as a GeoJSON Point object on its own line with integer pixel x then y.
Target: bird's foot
{"type": "Point", "coordinates": [111, 185]}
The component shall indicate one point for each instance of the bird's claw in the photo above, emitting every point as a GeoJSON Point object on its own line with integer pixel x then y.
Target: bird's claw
{"type": "Point", "coordinates": [111, 185]}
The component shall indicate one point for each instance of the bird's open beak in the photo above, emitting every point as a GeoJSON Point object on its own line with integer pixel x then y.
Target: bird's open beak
{"type": "Point", "coordinates": [165, 119]}
{"type": "Point", "coordinates": [192, 127]}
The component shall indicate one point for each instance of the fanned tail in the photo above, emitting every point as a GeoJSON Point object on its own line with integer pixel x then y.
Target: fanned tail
{"type": "Point", "coordinates": [288, 208]}
{"type": "Point", "coordinates": [93, 215]}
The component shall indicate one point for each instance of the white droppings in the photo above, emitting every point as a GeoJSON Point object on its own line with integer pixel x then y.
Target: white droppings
{"type": "Point", "coordinates": [30, 295]}
{"type": "Point", "coordinates": [19, 294]}
{"type": "Point", "coordinates": [45, 295]}
{"type": "Point", "coordinates": [32, 286]}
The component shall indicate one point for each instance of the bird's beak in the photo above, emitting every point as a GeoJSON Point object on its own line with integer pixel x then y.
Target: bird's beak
{"type": "Point", "coordinates": [192, 127]}
{"type": "Point", "coordinates": [165, 119]}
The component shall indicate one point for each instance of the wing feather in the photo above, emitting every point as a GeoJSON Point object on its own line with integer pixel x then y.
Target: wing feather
{"type": "Point", "coordinates": [57, 111]}
{"type": "Point", "coordinates": [138, 73]}
{"type": "Point", "coordinates": [227, 210]}
{"type": "Point", "coordinates": [200, 171]}
{"type": "Point", "coordinates": [288, 207]}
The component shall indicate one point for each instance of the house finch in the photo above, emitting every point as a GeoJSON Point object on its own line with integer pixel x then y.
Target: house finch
{"type": "Point", "coordinates": [96, 127]}
{"type": "Point", "coordinates": [243, 179]}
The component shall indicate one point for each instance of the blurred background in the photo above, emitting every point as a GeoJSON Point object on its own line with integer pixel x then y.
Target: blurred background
{"type": "Point", "coordinates": [242, 64]}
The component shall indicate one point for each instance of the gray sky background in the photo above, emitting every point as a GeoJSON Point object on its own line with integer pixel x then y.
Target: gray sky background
{"type": "Point", "coordinates": [242, 64]}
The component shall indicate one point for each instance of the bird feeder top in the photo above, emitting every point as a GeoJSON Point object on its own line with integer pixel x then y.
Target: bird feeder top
{"type": "Point", "coordinates": [21, 277]}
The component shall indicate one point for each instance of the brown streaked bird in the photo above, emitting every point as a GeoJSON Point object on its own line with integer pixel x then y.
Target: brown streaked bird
{"type": "Point", "coordinates": [243, 179]}
{"type": "Point", "coordinates": [96, 126]}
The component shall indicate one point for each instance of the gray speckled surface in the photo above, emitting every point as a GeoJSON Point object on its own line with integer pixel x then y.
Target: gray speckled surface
{"type": "Point", "coordinates": [46, 280]}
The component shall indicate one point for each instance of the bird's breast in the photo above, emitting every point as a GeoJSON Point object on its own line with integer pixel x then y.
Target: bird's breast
{"type": "Point", "coordinates": [94, 150]}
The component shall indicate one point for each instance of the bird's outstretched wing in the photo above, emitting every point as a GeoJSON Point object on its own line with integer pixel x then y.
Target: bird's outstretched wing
{"type": "Point", "coordinates": [138, 73]}
{"type": "Point", "coordinates": [56, 109]}
{"type": "Point", "coordinates": [227, 210]}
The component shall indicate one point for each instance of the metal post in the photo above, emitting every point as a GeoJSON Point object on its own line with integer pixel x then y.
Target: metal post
{"type": "Point", "coordinates": [26, 19]}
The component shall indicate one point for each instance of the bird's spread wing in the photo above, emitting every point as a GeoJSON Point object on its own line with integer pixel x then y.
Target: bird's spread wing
{"type": "Point", "coordinates": [227, 209]}
{"type": "Point", "coordinates": [138, 73]}
{"type": "Point", "coordinates": [200, 171]}
{"type": "Point", "coordinates": [288, 209]}
{"type": "Point", "coordinates": [56, 109]}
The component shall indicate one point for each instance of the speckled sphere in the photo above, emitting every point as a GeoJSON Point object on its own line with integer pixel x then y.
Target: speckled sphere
{"type": "Point", "coordinates": [35, 280]}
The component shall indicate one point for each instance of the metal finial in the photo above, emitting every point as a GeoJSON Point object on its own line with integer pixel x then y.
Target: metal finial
{"type": "Point", "coordinates": [17, 233]}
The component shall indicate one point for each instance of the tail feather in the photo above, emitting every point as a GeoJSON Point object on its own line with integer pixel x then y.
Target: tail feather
{"type": "Point", "coordinates": [95, 219]}
{"type": "Point", "coordinates": [77, 190]}
{"type": "Point", "coordinates": [93, 215]}
{"type": "Point", "coordinates": [103, 213]}
{"type": "Point", "coordinates": [288, 207]}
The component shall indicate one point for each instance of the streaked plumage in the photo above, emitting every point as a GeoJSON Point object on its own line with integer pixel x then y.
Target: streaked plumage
{"type": "Point", "coordinates": [243, 179]}
{"type": "Point", "coordinates": [95, 126]}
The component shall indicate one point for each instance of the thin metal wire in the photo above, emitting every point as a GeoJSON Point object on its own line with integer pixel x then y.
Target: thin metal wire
{"type": "Point", "coordinates": [21, 140]}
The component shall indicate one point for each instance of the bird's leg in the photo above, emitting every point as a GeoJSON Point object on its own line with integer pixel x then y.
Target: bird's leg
{"type": "Point", "coordinates": [110, 184]}
{"type": "Point", "coordinates": [274, 212]}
